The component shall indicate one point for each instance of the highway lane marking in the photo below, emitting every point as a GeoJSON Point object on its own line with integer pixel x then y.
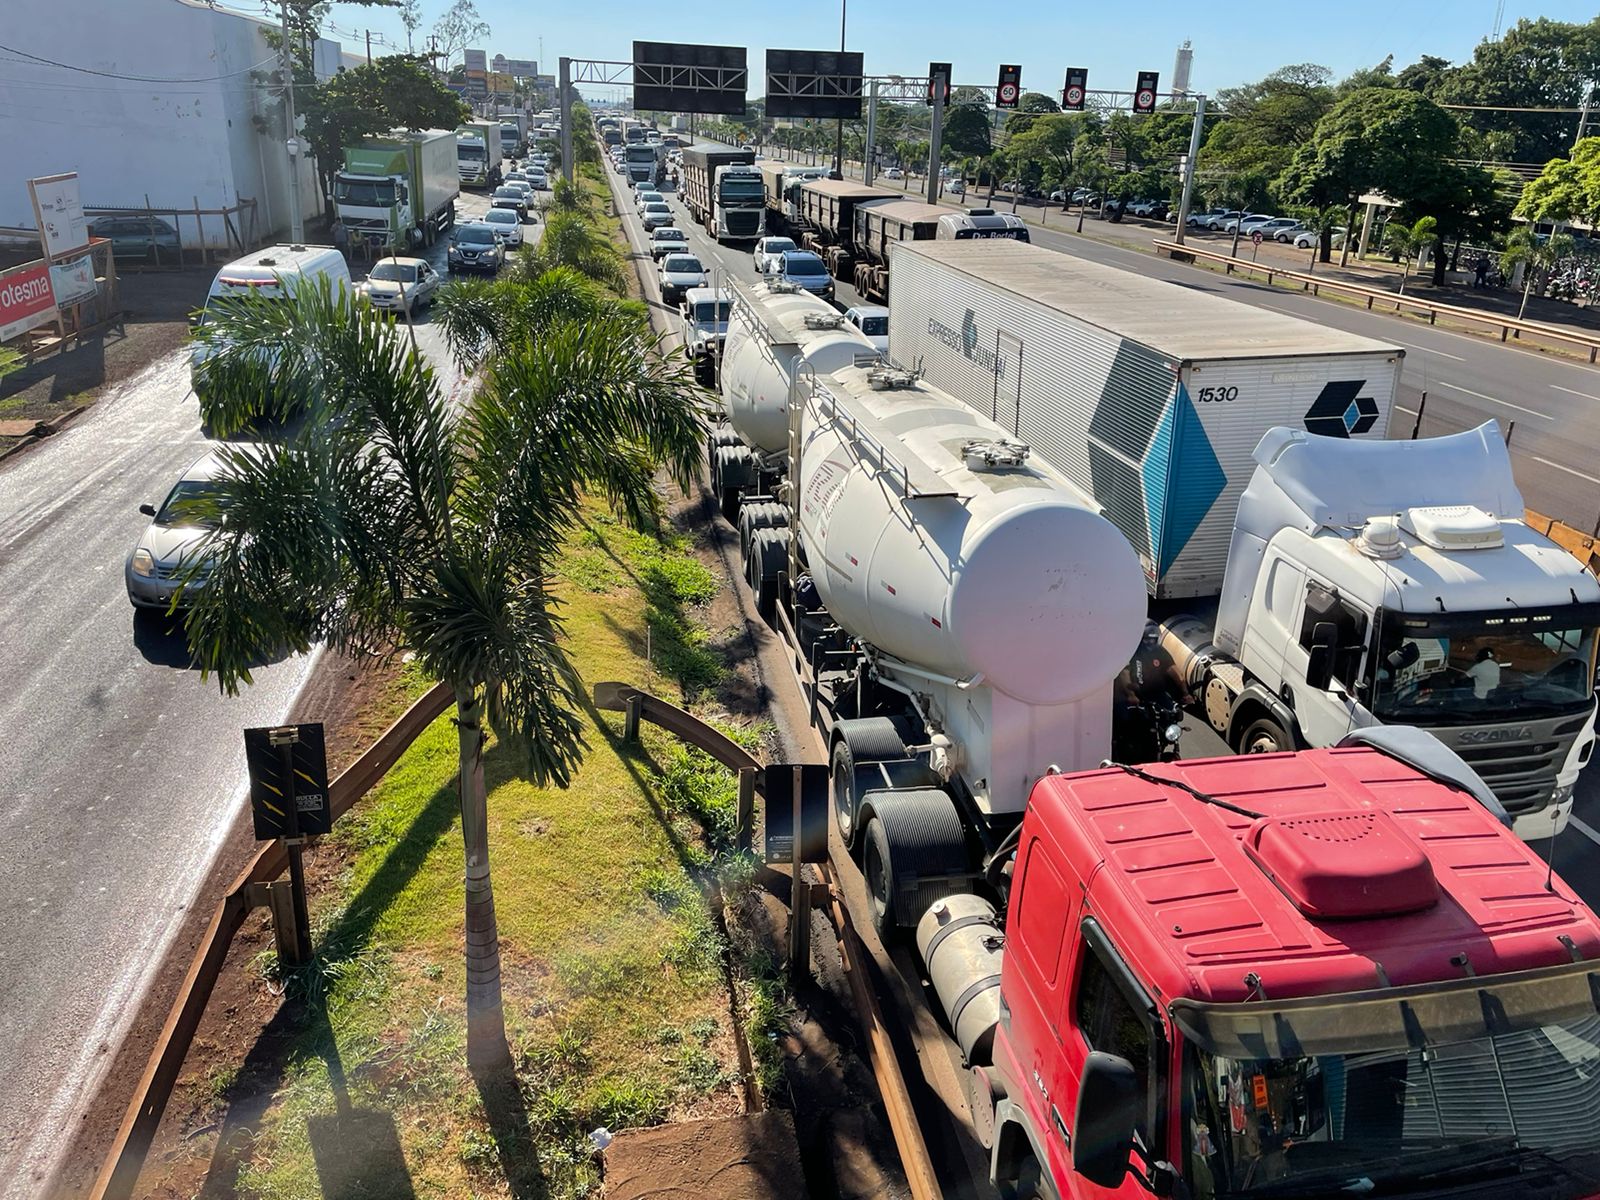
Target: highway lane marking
{"type": "Point", "coordinates": [1456, 387]}
{"type": "Point", "coordinates": [1559, 467]}
{"type": "Point", "coordinates": [1584, 828]}
{"type": "Point", "coordinates": [1424, 349]}
{"type": "Point", "coordinates": [1570, 392]}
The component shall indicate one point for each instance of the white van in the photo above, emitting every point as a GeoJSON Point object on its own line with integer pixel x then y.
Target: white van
{"type": "Point", "coordinates": [272, 272]}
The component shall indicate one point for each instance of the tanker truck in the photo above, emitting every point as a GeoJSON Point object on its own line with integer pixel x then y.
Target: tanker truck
{"type": "Point", "coordinates": [1166, 980]}
{"type": "Point", "coordinates": [399, 190]}
{"type": "Point", "coordinates": [1308, 578]}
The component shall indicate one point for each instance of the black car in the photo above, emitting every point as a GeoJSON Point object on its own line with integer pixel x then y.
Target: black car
{"type": "Point", "coordinates": [513, 198]}
{"type": "Point", "coordinates": [474, 247]}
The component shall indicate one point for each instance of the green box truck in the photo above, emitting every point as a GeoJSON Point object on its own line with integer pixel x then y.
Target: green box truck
{"type": "Point", "coordinates": [401, 188]}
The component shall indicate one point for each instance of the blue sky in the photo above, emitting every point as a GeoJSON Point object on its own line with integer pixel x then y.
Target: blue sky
{"type": "Point", "coordinates": [1114, 39]}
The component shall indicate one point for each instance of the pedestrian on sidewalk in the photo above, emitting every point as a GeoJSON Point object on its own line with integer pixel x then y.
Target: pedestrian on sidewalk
{"type": "Point", "coordinates": [1480, 271]}
{"type": "Point", "coordinates": [341, 238]}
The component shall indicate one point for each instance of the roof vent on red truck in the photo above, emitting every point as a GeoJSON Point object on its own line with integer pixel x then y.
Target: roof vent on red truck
{"type": "Point", "coordinates": [1344, 865]}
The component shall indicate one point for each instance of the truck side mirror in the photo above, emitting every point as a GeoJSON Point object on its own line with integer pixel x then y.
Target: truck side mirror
{"type": "Point", "coordinates": [1319, 663]}
{"type": "Point", "coordinates": [1108, 1110]}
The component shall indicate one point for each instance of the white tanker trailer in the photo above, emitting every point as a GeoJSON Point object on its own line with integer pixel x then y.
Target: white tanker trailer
{"type": "Point", "coordinates": [960, 608]}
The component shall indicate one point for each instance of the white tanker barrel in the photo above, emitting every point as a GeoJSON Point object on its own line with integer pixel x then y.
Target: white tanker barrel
{"type": "Point", "coordinates": [770, 336]}
{"type": "Point", "coordinates": [1005, 572]}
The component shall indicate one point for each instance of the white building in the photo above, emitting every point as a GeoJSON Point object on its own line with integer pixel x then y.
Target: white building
{"type": "Point", "coordinates": [165, 99]}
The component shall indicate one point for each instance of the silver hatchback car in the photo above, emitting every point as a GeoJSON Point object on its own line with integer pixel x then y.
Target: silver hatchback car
{"type": "Point", "coordinates": [159, 561]}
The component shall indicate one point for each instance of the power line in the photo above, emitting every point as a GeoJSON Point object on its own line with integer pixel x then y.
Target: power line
{"type": "Point", "coordinates": [1506, 108]}
{"type": "Point", "coordinates": [130, 78]}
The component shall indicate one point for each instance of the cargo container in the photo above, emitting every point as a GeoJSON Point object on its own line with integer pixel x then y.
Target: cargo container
{"type": "Point", "coordinates": [827, 215]}
{"type": "Point", "coordinates": [399, 190]}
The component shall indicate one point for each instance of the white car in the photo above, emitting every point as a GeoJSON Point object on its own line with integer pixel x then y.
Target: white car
{"type": "Point", "coordinates": [640, 199]}
{"type": "Point", "coordinates": [539, 181]}
{"type": "Point", "coordinates": [679, 273]}
{"type": "Point", "coordinates": [873, 322]}
{"type": "Point", "coordinates": [656, 214]}
{"type": "Point", "coordinates": [1270, 230]}
{"type": "Point", "coordinates": [769, 253]}
{"type": "Point", "coordinates": [1215, 219]}
{"type": "Point", "coordinates": [1307, 238]}
{"type": "Point", "coordinates": [507, 226]}
{"type": "Point", "coordinates": [668, 240]}
{"type": "Point", "coordinates": [402, 284]}
{"type": "Point", "coordinates": [1247, 224]}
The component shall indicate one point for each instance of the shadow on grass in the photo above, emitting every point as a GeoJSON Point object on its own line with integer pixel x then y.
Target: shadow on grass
{"type": "Point", "coordinates": [507, 1113]}
{"type": "Point", "coordinates": [357, 1152]}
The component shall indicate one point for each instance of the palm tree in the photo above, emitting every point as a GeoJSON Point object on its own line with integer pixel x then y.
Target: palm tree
{"type": "Point", "coordinates": [1525, 248]}
{"type": "Point", "coordinates": [1405, 242]}
{"type": "Point", "coordinates": [391, 523]}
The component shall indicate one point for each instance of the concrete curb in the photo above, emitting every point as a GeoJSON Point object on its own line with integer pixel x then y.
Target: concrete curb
{"type": "Point", "coordinates": [44, 429]}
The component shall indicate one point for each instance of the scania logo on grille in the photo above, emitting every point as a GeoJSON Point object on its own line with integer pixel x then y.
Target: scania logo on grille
{"type": "Point", "coordinates": [1481, 737]}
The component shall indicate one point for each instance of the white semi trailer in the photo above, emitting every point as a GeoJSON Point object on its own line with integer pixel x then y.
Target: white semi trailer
{"type": "Point", "coordinates": [1310, 578]}
{"type": "Point", "coordinates": [965, 607]}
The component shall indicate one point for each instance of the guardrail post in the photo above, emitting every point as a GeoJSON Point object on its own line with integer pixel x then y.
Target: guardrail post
{"type": "Point", "coordinates": [630, 718]}
{"type": "Point", "coordinates": [745, 817]}
{"type": "Point", "coordinates": [799, 894]}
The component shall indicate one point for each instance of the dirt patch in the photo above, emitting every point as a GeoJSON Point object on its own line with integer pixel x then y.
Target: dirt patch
{"type": "Point", "coordinates": [355, 701]}
{"type": "Point", "coordinates": [737, 1158]}
{"type": "Point", "coordinates": [157, 306]}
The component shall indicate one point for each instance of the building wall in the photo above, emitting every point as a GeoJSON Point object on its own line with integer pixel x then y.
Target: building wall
{"type": "Point", "coordinates": [186, 132]}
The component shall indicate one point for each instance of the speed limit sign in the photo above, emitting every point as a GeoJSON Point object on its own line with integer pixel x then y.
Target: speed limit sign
{"type": "Point", "coordinates": [1145, 101]}
{"type": "Point", "coordinates": [1074, 97]}
{"type": "Point", "coordinates": [1256, 237]}
{"type": "Point", "coordinates": [1008, 94]}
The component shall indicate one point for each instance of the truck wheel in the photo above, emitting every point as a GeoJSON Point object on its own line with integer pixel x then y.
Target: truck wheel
{"type": "Point", "coordinates": [1264, 736]}
{"type": "Point", "coordinates": [1029, 1183]}
{"type": "Point", "coordinates": [877, 867]}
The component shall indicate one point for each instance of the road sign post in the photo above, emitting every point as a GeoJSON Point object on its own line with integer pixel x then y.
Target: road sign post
{"type": "Point", "coordinates": [288, 767]}
{"type": "Point", "coordinates": [1009, 88]}
{"type": "Point", "coordinates": [1144, 95]}
{"type": "Point", "coordinates": [1076, 89]}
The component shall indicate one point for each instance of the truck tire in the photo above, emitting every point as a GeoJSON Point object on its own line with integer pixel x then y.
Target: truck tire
{"type": "Point", "coordinates": [861, 740]}
{"type": "Point", "coordinates": [764, 514]}
{"type": "Point", "coordinates": [769, 555]}
{"type": "Point", "coordinates": [1264, 736]}
{"type": "Point", "coordinates": [913, 852]}
{"type": "Point", "coordinates": [733, 470]}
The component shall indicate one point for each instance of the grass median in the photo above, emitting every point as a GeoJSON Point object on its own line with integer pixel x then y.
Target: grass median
{"type": "Point", "coordinates": [620, 997]}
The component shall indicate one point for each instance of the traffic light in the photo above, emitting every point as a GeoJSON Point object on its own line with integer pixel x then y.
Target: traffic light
{"type": "Point", "coordinates": [1077, 87]}
{"type": "Point", "coordinates": [938, 74]}
{"type": "Point", "coordinates": [1009, 89]}
{"type": "Point", "coordinates": [1144, 96]}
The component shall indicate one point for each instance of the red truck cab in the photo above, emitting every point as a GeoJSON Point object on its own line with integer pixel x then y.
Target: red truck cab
{"type": "Point", "coordinates": [1321, 973]}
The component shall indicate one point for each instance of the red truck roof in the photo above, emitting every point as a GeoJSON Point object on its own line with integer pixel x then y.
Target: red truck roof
{"type": "Point", "coordinates": [1357, 864]}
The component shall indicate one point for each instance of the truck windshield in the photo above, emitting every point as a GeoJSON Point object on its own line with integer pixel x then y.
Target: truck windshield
{"type": "Point", "coordinates": [1435, 1092]}
{"type": "Point", "coordinates": [471, 151]}
{"type": "Point", "coordinates": [1460, 668]}
{"type": "Point", "coordinates": [367, 193]}
{"type": "Point", "coordinates": [743, 189]}
{"type": "Point", "coordinates": [708, 311]}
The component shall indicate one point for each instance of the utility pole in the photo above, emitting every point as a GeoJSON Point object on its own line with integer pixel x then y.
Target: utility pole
{"type": "Point", "coordinates": [870, 151]}
{"type": "Point", "coordinates": [936, 128]}
{"type": "Point", "coordinates": [565, 86]}
{"type": "Point", "coordinates": [297, 227]}
{"type": "Point", "coordinates": [368, 32]}
{"type": "Point", "coordinates": [838, 145]}
{"type": "Point", "coordinates": [1188, 165]}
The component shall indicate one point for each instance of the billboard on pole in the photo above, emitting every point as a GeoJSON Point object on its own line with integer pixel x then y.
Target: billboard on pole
{"type": "Point", "coordinates": [59, 211]}
{"type": "Point", "coordinates": [814, 83]}
{"type": "Point", "coordinates": [475, 60]}
{"type": "Point", "coordinates": [684, 77]}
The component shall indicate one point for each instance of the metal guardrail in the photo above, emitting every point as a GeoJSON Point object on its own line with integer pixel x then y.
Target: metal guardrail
{"type": "Point", "coordinates": [1315, 284]}
{"type": "Point", "coordinates": [639, 706]}
{"type": "Point", "coordinates": [125, 1160]}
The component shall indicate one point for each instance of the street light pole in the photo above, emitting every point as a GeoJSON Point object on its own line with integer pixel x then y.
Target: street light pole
{"type": "Point", "coordinates": [1188, 165]}
{"type": "Point", "coordinates": [297, 225]}
{"type": "Point", "coordinates": [870, 151]}
{"type": "Point", "coordinates": [838, 145]}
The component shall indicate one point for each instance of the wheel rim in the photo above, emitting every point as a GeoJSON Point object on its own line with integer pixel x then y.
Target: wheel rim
{"type": "Point", "coordinates": [1262, 741]}
{"type": "Point", "coordinates": [877, 883]}
{"type": "Point", "coordinates": [843, 803]}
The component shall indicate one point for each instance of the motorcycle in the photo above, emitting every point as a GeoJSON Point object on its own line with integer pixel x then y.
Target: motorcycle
{"type": "Point", "coordinates": [1147, 732]}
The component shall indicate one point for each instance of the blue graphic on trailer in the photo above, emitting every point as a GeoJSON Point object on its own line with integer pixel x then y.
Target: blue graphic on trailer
{"type": "Point", "coordinates": [1341, 411]}
{"type": "Point", "coordinates": [1182, 479]}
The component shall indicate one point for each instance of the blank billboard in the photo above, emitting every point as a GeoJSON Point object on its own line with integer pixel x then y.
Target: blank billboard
{"type": "Point", "coordinates": [677, 77]}
{"type": "Point", "coordinates": [814, 83]}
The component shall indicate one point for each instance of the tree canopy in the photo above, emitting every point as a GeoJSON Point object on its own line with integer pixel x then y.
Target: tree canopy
{"type": "Point", "coordinates": [395, 92]}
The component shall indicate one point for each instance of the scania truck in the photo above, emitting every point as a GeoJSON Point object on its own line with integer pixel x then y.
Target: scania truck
{"type": "Point", "coordinates": [1308, 577]}
{"type": "Point", "coordinates": [399, 190]}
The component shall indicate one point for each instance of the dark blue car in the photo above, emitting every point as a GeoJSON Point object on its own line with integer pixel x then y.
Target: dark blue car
{"type": "Point", "coordinates": [804, 269]}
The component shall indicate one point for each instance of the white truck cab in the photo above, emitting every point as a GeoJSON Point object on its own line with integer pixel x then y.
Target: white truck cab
{"type": "Point", "coordinates": [1398, 583]}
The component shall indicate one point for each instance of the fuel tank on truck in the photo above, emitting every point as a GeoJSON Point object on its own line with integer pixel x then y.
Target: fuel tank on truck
{"type": "Point", "coordinates": [771, 335]}
{"type": "Point", "coordinates": [934, 536]}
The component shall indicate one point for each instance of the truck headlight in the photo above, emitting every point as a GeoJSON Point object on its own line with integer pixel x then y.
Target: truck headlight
{"type": "Point", "coordinates": [1561, 795]}
{"type": "Point", "coordinates": [1172, 733]}
{"type": "Point", "coordinates": [144, 564]}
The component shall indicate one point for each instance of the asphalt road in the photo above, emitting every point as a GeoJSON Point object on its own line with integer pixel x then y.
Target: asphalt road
{"type": "Point", "coordinates": [121, 768]}
{"type": "Point", "coordinates": [1553, 443]}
